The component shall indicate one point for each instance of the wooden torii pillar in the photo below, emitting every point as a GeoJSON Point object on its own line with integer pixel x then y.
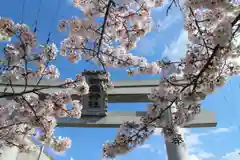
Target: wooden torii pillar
{"type": "Point", "coordinates": [95, 110]}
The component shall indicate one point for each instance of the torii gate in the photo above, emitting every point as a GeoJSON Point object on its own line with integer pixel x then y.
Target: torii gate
{"type": "Point", "coordinates": [95, 105]}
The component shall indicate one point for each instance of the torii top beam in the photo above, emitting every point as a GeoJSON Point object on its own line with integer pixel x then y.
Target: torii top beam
{"type": "Point", "coordinates": [123, 91]}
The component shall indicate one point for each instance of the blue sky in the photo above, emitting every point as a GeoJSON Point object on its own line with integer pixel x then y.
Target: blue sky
{"type": "Point", "coordinates": [220, 143]}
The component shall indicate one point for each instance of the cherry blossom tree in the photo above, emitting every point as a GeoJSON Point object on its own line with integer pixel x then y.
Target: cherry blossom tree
{"type": "Point", "coordinates": [32, 108]}
{"type": "Point", "coordinates": [106, 35]}
{"type": "Point", "coordinates": [212, 57]}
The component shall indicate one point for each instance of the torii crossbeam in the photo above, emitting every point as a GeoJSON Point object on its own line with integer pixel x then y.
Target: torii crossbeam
{"type": "Point", "coordinates": [123, 92]}
{"type": "Point", "coordinates": [95, 111]}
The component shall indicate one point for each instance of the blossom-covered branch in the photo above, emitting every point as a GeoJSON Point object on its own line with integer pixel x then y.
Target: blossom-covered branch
{"type": "Point", "coordinates": [31, 108]}
{"type": "Point", "coordinates": [212, 56]}
{"type": "Point", "coordinates": [108, 33]}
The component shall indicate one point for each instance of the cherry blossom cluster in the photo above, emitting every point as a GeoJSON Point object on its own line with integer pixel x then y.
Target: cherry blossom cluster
{"type": "Point", "coordinates": [109, 42]}
{"type": "Point", "coordinates": [23, 114]}
{"type": "Point", "coordinates": [17, 55]}
{"type": "Point", "coordinates": [31, 108]}
{"type": "Point", "coordinates": [212, 57]}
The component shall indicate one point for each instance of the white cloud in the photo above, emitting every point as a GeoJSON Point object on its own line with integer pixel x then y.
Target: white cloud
{"type": "Point", "coordinates": [71, 158]}
{"type": "Point", "coordinates": [145, 146]}
{"type": "Point", "coordinates": [194, 144]}
{"type": "Point", "coordinates": [225, 130]}
{"type": "Point", "coordinates": [150, 148]}
{"type": "Point", "coordinates": [174, 15]}
{"type": "Point", "coordinates": [193, 157]}
{"type": "Point", "coordinates": [193, 141]}
{"type": "Point", "coordinates": [235, 155]}
{"type": "Point", "coordinates": [146, 46]}
{"type": "Point", "coordinates": [178, 48]}
{"type": "Point", "coordinates": [161, 25]}
{"type": "Point", "coordinates": [222, 130]}
{"type": "Point", "coordinates": [205, 155]}
{"type": "Point", "coordinates": [200, 156]}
